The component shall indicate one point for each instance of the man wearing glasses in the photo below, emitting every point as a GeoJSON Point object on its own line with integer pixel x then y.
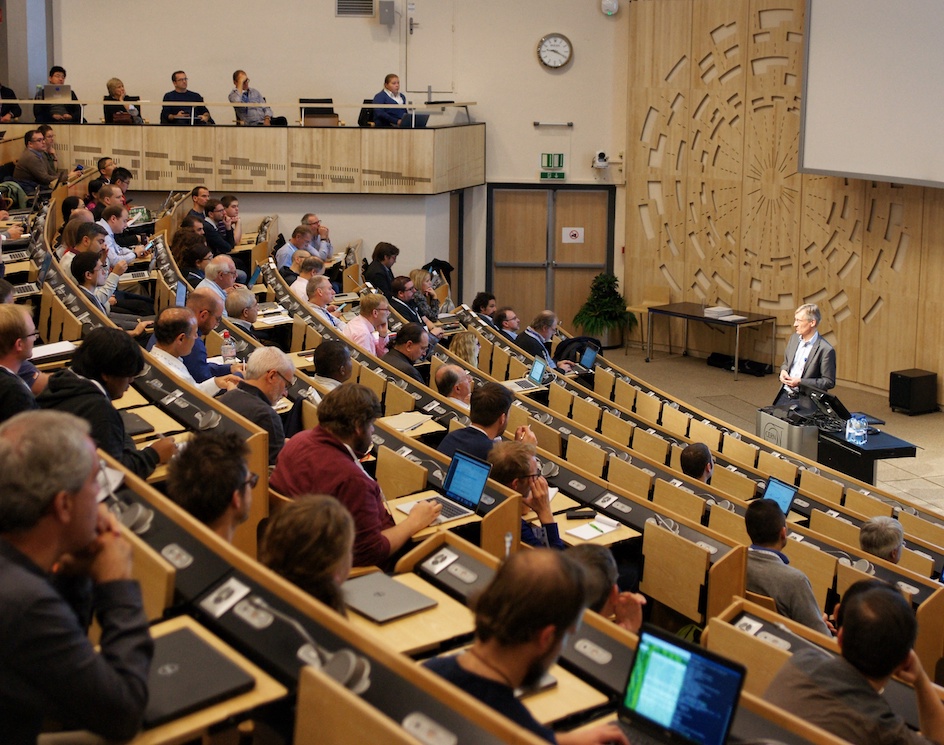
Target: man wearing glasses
{"type": "Point", "coordinates": [220, 278]}
{"type": "Point", "coordinates": [172, 111]}
{"type": "Point", "coordinates": [515, 465]}
{"type": "Point", "coordinates": [17, 336]}
{"type": "Point", "coordinates": [369, 329]}
{"type": "Point", "coordinates": [210, 478]}
{"type": "Point", "coordinates": [269, 374]}
{"type": "Point", "coordinates": [33, 168]}
{"type": "Point", "coordinates": [320, 245]}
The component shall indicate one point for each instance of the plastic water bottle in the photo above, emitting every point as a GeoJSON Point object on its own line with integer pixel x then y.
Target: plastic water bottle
{"type": "Point", "coordinates": [857, 430]}
{"type": "Point", "coordinates": [228, 350]}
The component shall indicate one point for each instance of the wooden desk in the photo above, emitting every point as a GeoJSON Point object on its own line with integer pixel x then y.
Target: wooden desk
{"type": "Point", "coordinates": [130, 400]}
{"type": "Point", "coordinates": [422, 535]}
{"type": "Point", "coordinates": [428, 427]}
{"type": "Point", "coordinates": [421, 631]}
{"type": "Point", "coordinates": [162, 423]}
{"type": "Point", "coordinates": [622, 533]}
{"type": "Point", "coordinates": [191, 726]}
{"type": "Point", "coordinates": [570, 696]}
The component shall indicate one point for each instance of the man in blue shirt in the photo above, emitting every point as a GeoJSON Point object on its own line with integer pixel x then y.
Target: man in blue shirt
{"type": "Point", "coordinates": [173, 113]}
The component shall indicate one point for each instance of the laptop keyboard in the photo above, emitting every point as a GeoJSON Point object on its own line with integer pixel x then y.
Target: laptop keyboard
{"type": "Point", "coordinates": [526, 384]}
{"type": "Point", "coordinates": [450, 509]}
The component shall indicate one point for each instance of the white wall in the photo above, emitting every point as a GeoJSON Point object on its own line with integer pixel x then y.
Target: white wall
{"type": "Point", "coordinates": [293, 48]}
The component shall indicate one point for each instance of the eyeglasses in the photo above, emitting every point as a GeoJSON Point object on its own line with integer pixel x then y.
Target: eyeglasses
{"type": "Point", "coordinates": [251, 480]}
{"type": "Point", "coordinates": [531, 475]}
{"type": "Point", "coordinates": [41, 139]}
{"type": "Point", "coordinates": [288, 382]}
{"type": "Point", "coordinates": [34, 335]}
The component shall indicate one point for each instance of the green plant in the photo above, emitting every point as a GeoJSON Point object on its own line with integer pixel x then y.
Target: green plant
{"type": "Point", "coordinates": [605, 307]}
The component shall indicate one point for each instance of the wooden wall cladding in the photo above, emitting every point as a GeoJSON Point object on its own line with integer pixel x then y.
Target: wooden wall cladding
{"type": "Point", "coordinates": [717, 210]}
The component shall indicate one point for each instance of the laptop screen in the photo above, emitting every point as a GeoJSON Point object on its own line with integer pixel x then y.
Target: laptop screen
{"type": "Point", "coordinates": [536, 373]}
{"type": "Point", "coordinates": [466, 479]}
{"type": "Point", "coordinates": [782, 493]}
{"type": "Point", "coordinates": [255, 277]}
{"type": "Point", "coordinates": [680, 687]}
{"type": "Point", "coordinates": [181, 300]}
{"type": "Point", "coordinates": [589, 356]}
{"type": "Point", "coordinates": [44, 269]}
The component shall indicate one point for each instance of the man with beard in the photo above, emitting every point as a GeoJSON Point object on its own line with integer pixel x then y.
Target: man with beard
{"type": "Point", "coordinates": [522, 621]}
{"type": "Point", "coordinates": [325, 460]}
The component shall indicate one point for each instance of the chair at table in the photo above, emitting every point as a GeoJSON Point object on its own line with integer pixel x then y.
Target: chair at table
{"type": "Point", "coordinates": [652, 295]}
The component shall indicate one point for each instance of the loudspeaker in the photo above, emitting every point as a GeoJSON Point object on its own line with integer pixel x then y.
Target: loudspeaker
{"type": "Point", "coordinates": [912, 391]}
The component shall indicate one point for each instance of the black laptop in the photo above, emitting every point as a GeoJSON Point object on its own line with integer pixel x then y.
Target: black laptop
{"type": "Point", "coordinates": [187, 675]}
{"type": "Point", "coordinates": [678, 692]}
{"type": "Point", "coordinates": [414, 121]}
{"type": "Point", "coordinates": [781, 493]}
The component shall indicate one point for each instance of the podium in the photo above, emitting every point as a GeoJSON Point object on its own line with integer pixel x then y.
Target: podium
{"type": "Point", "coordinates": [773, 426]}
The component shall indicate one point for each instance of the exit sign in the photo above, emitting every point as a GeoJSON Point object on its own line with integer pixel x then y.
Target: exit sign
{"type": "Point", "coordinates": [553, 176]}
{"type": "Point", "coordinates": [552, 160]}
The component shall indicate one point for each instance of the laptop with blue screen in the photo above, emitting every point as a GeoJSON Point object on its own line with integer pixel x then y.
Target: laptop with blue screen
{"type": "Point", "coordinates": [781, 493]}
{"type": "Point", "coordinates": [535, 379]}
{"type": "Point", "coordinates": [678, 692]}
{"type": "Point", "coordinates": [587, 360]}
{"type": "Point", "coordinates": [463, 487]}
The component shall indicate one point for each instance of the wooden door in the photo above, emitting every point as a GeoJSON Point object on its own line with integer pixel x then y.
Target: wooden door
{"type": "Point", "coordinates": [429, 47]}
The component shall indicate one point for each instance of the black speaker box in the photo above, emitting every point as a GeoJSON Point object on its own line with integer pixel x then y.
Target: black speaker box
{"type": "Point", "coordinates": [912, 391]}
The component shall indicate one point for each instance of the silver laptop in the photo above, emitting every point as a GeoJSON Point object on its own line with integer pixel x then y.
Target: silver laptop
{"type": "Point", "coordinates": [381, 598]}
{"type": "Point", "coordinates": [678, 692]}
{"type": "Point", "coordinates": [57, 93]}
{"type": "Point", "coordinates": [463, 487]}
{"type": "Point", "coordinates": [535, 379]}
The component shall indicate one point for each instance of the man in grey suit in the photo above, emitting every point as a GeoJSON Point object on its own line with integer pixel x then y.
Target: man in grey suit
{"type": "Point", "coordinates": [809, 359]}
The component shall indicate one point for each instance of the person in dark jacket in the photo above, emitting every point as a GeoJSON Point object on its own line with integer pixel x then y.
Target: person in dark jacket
{"type": "Point", "coordinates": [102, 369]}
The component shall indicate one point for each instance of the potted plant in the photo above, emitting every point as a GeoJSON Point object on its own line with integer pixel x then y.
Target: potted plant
{"type": "Point", "coordinates": [604, 313]}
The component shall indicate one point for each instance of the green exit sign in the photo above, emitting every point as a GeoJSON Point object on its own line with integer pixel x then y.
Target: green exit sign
{"type": "Point", "coordinates": [553, 176]}
{"type": "Point", "coordinates": [552, 160]}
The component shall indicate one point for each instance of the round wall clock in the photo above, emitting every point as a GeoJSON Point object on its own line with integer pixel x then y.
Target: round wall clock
{"type": "Point", "coordinates": [555, 51]}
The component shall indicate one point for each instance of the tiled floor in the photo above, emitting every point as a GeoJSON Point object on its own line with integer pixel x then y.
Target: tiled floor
{"type": "Point", "coordinates": [714, 391]}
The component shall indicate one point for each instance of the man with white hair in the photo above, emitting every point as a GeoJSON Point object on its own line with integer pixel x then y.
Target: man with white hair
{"type": "Point", "coordinates": [269, 373]}
{"type": "Point", "coordinates": [808, 360]}
{"type": "Point", "coordinates": [220, 277]}
{"type": "Point", "coordinates": [884, 537]}
{"type": "Point", "coordinates": [455, 384]}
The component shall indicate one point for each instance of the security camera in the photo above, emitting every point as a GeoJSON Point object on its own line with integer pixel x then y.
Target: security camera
{"type": "Point", "coordinates": [600, 160]}
{"type": "Point", "coordinates": [609, 7]}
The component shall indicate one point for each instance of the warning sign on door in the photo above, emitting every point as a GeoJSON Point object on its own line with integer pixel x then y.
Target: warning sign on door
{"type": "Point", "coordinates": [571, 235]}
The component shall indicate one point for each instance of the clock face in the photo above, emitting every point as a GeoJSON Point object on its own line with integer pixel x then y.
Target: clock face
{"type": "Point", "coordinates": [555, 51]}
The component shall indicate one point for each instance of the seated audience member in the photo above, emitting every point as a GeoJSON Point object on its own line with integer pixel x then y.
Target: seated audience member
{"type": "Point", "coordinates": [123, 110]}
{"type": "Point", "coordinates": [199, 196]}
{"type": "Point", "coordinates": [102, 370]}
{"type": "Point", "coordinates": [697, 462]}
{"type": "Point", "coordinates": [269, 374]}
{"type": "Point", "coordinates": [309, 269]}
{"type": "Point", "coordinates": [69, 204]}
{"type": "Point", "coordinates": [121, 177]}
{"type": "Point", "coordinates": [884, 537]}
{"type": "Point", "coordinates": [115, 219]}
{"type": "Point", "coordinates": [535, 340]}
{"type": "Point", "coordinates": [301, 237]}
{"type": "Point", "coordinates": [108, 195]}
{"type": "Point", "coordinates": [769, 571]}
{"type": "Point", "coordinates": [290, 273]}
{"type": "Point", "coordinates": [50, 113]}
{"type": "Point", "coordinates": [253, 116]}
{"type": "Point", "coordinates": [210, 479]}
{"type": "Point", "coordinates": [515, 465]}
{"type": "Point", "coordinates": [62, 557]}
{"type": "Point", "coordinates": [175, 334]}
{"type": "Point", "coordinates": [31, 375]}
{"type": "Point", "coordinates": [9, 111]}
{"type": "Point", "coordinates": [369, 329]}
{"type": "Point", "coordinates": [33, 169]}
{"type": "Point", "coordinates": [220, 278]}
{"type": "Point", "coordinates": [91, 273]}
{"type": "Point", "coordinates": [522, 620]}
{"type": "Point", "coordinates": [242, 307]}
{"type": "Point", "coordinates": [232, 226]}
{"type": "Point", "coordinates": [410, 346]}
{"type": "Point", "coordinates": [214, 230]}
{"type": "Point", "coordinates": [320, 244]}
{"type": "Point", "coordinates": [455, 384]}
{"type": "Point", "coordinates": [390, 95]}
{"type": "Point", "coordinates": [325, 459]}
{"type": "Point", "coordinates": [843, 695]}
{"type": "Point", "coordinates": [17, 336]}
{"type": "Point", "coordinates": [424, 300]}
{"type": "Point", "coordinates": [91, 194]}
{"type": "Point", "coordinates": [173, 112]}
{"type": "Point", "coordinates": [379, 272]}
{"type": "Point", "coordinates": [332, 361]}
{"type": "Point", "coordinates": [465, 345]}
{"type": "Point", "coordinates": [83, 237]}
{"type": "Point", "coordinates": [484, 305]}
{"type": "Point", "coordinates": [488, 412]}
{"type": "Point", "coordinates": [507, 322]}
{"type": "Point", "coordinates": [105, 167]}
{"type": "Point", "coordinates": [194, 253]}
{"type": "Point", "coordinates": [320, 296]}
{"type": "Point", "coordinates": [403, 291]}
{"type": "Point", "coordinates": [603, 594]}
{"type": "Point", "coordinates": [310, 543]}
{"type": "Point", "coordinates": [194, 222]}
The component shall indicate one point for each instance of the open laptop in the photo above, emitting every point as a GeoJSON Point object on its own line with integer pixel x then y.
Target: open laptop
{"type": "Point", "coordinates": [381, 598]}
{"type": "Point", "coordinates": [463, 487]}
{"type": "Point", "coordinates": [781, 493]}
{"type": "Point", "coordinates": [587, 360]}
{"type": "Point", "coordinates": [414, 121]}
{"type": "Point", "coordinates": [34, 288]}
{"type": "Point", "coordinates": [181, 299]}
{"type": "Point", "coordinates": [57, 92]}
{"type": "Point", "coordinates": [187, 675]}
{"type": "Point", "coordinates": [678, 692]}
{"type": "Point", "coordinates": [535, 379]}
{"type": "Point", "coordinates": [254, 277]}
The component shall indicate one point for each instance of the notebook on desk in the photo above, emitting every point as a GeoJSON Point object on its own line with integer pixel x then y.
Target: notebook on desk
{"type": "Point", "coordinates": [463, 487]}
{"type": "Point", "coordinates": [533, 382]}
{"type": "Point", "coordinates": [678, 692]}
{"type": "Point", "coordinates": [187, 674]}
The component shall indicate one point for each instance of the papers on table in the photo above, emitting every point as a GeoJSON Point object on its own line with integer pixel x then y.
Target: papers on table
{"type": "Point", "coordinates": [407, 421]}
{"type": "Point", "coordinates": [600, 525]}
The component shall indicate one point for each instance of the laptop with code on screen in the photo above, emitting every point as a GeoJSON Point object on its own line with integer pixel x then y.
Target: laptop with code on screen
{"type": "Point", "coordinates": [781, 493]}
{"type": "Point", "coordinates": [463, 487]}
{"type": "Point", "coordinates": [678, 692]}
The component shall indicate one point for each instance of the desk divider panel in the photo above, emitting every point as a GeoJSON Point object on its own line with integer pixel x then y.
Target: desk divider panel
{"type": "Point", "coordinates": [731, 483]}
{"type": "Point", "coordinates": [677, 500]}
{"type": "Point", "coordinates": [701, 431]}
{"type": "Point", "coordinates": [585, 455]}
{"type": "Point", "coordinates": [624, 394]}
{"type": "Point", "coordinates": [820, 486]}
{"type": "Point", "coordinates": [586, 413]}
{"type": "Point", "coordinates": [603, 382]}
{"type": "Point", "coordinates": [675, 422]}
{"type": "Point", "coordinates": [868, 506]}
{"type": "Point", "coordinates": [782, 469]}
{"type": "Point", "coordinates": [617, 429]}
{"type": "Point", "coordinates": [739, 452]}
{"type": "Point", "coordinates": [648, 407]}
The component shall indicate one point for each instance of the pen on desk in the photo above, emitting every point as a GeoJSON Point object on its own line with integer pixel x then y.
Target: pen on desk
{"type": "Point", "coordinates": [596, 527]}
{"type": "Point", "coordinates": [415, 426]}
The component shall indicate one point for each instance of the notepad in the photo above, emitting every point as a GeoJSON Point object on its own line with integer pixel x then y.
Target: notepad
{"type": "Point", "coordinates": [600, 525]}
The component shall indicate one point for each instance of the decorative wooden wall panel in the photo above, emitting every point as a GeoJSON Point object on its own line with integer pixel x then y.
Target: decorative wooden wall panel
{"type": "Point", "coordinates": [717, 211]}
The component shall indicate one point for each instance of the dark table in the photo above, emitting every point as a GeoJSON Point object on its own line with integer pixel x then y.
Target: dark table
{"type": "Point", "coordinates": [696, 312]}
{"type": "Point", "coordinates": [858, 461]}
